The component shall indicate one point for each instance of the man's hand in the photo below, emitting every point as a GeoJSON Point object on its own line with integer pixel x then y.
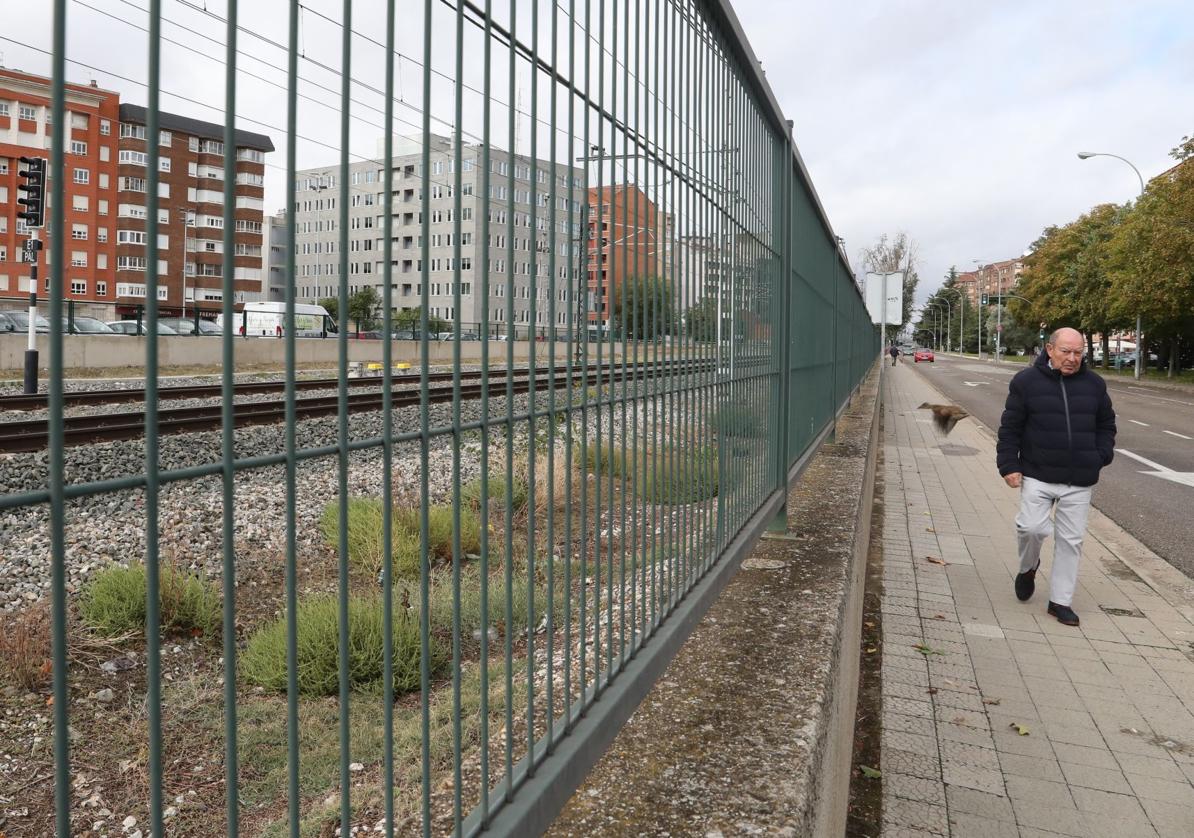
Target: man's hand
{"type": "Point", "coordinates": [1013, 479]}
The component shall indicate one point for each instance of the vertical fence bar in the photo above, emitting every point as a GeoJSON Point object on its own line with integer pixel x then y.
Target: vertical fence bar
{"type": "Point", "coordinates": [292, 687]}
{"type": "Point", "coordinates": [457, 553]}
{"type": "Point", "coordinates": [486, 265]}
{"type": "Point", "coordinates": [56, 474]}
{"type": "Point", "coordinates": [532, 342]}
{"type": "Point", "coordinates": [228, 572]}
{"type": "Point", "coordinates": [508, 531]}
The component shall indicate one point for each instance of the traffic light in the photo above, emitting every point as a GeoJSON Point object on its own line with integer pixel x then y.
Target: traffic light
{"type": "Point", "coordinates": [33, 190]}
{"type": "Point", "coordinates": [986, 299]}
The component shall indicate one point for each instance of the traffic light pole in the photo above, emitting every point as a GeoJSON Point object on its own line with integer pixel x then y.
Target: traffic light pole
{"type": "Point", "coordinates": [31, 248]}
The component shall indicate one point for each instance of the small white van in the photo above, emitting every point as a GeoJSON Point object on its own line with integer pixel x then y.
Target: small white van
{"type": "Point", "coordinates": [268, 320]}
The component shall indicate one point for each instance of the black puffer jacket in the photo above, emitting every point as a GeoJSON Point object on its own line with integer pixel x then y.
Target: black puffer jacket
{"type": "Point", "coordinates": [1055, 428]}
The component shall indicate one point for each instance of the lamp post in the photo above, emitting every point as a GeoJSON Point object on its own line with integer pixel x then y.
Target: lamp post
{"type": "Point", "coordinates": [1086, 155]}
{"type": "Point", "coordinates": [961, 314]}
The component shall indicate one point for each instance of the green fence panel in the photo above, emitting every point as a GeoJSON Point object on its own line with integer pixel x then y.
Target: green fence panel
{"type": "Point", "coordinates": [477, 577]}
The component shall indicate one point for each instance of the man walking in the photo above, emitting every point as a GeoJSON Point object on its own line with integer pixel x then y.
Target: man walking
{"type": "Point", "coordinates": [1056, 434]}
{"type": "Point", "coordinates": [894, 352]}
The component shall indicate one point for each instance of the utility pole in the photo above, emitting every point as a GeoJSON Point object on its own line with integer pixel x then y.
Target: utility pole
{"type": "Point", "coordinates": [33, 201]}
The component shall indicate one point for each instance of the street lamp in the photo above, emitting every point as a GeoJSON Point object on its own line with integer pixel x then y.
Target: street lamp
{"type": "Point", "coordinates": [1086, 155]}
{"type": "Point", "coordinates": [961, 314]}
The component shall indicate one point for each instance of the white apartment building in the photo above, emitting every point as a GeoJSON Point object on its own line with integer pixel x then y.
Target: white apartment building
{"type": "Point", "coordinates": [511, 259]}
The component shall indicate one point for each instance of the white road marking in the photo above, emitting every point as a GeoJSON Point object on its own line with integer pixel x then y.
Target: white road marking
{"type": "Point", "coordinates": [1186, 478]}
{"type": "Point", "coordinates": [974, 383]}
{"type": "Point", "coordinates": [1138, 422]}
{"type": "Point", "coordinates": [1144, 391]}
{"type": "Point", "coordinates": [1175, 433]}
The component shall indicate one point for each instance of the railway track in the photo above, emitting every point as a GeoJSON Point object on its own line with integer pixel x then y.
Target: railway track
{"type": "Point", "coordinates": [81, 398]}
{"type": "Point", "coordinates": [80, 430]}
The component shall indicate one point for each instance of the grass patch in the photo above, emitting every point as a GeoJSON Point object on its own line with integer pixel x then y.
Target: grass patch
{"type": "Point", "coordinates": [663, 477]}
{"type": "Point", "coordinates": [366, 546]}
{"type": "Point", "coordinates": [263, 748]}
{"type": "Point", "coordinates": [318, 645]}
{"type": "Point", "coordinates": [739, 420]}
{"type": "Point", "coordinates": [114, 603]}
{"type": "Point", "coordinates": [25, 646]}
{"type": "Point", "coordinates": [441, 601]}
{"type": "Point", "coordinates": [470, 492]}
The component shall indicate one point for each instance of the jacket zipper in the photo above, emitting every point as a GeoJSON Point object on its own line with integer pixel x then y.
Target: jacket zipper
{"type": "Point", "coordinates": [1069, 433]}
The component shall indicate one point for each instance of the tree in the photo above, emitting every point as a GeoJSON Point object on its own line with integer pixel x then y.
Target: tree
{"type": "Point", "coordinates": [701, 321]}
{"type": "Point", "coordinates": [1151, 256]}
{"type": "Point", "coordinates": [363, 307]}
{"type": "Point", "coordinates": [897, 254]}
{"type": "Point", "coordinates": [644, 308]}
{"type": "Point", "coordinates": [412, 319]}
{"type": "Point", "coordinates": [332, 306]}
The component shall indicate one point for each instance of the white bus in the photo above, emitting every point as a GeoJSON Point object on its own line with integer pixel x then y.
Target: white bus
{"type": "Point", "coordinates": [268, 320]}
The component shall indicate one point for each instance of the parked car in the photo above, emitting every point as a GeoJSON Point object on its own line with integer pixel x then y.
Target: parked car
{"type": "Point", "coordinates": [86, 326]}
{"type": "Point", "coordinates": [132, 327]}
{"type": "Point", "coordinates": [922, 354]}
{"type": "Point", "coordinates": [7, 324]}
{"type": "Point", "coordinates": [21, 320]}
{"type": "Point", "coordinates": [186, 326]}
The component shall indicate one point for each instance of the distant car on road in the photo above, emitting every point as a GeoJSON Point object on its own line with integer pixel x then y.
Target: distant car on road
{"type": "Point", "coordinates": [922, 354]}
{"type": "Point", "coordinates": [86, 326]}
{"type": "Point", "coordinates": [207, 328]}
{"type": "Point", "coordinates": [20, 319]}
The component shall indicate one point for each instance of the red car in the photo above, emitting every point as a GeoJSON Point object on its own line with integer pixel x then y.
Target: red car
{"type": "Point", "coordinates": [922, 355]}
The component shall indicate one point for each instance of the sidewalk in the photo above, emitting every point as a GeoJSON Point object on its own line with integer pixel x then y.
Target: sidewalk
{"type": "Point", "coordinates": [1106, 710]}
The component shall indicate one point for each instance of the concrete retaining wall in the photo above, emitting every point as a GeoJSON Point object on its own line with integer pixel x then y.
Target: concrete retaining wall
{"type": "Point", "coordinates": [100, 351]}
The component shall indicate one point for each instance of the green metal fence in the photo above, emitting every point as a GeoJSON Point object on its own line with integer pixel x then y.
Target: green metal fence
{"type": "Point", "coordinates": [582, 528]}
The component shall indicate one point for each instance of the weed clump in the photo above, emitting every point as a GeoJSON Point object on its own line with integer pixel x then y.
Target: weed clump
{"type": "Point", "coordinates": [114, 603]}
{"type": "Point", "coordinates": [25, 645]}
{"type": "Point", "coordinates": [318, 648]}
{"type": "Point", "coordinates": [366, 544]}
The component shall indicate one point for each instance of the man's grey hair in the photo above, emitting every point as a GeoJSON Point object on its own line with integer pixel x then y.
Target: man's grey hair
{"type": "Point", "coordinates": [1056, 333]}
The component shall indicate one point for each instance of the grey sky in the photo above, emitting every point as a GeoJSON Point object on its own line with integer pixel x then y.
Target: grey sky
{"type": "Point", "coordinates": [960, 122]}
{"type": "Point", "coordinates": [956, 122]}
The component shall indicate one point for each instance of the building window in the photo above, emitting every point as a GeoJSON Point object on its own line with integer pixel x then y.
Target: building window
{"type": "Point", "coordinates": [82, 176]}
{"type": "Point", "coordinates": [101, 288]}
{"type": "Point", "coordinates": [163, 164]}
{"type": "Point", "coordinates": [131, 184]}
{"type": "Point", "coordinates": [165, 138]}
{"type": "Point", "coordinates": [210, 147]}
{"type": "Point", "coordinates": [78, 259]}
{"type": "Point", "coordinates": [78, 286]}
{"type": "Point", "coordinates": [26, 112]}
{"type": "Point", "coordinates": [3, 108]}
{"type": "Point", "coordinates": [77, 147]}
{"type": "Point", "coordinates": [79, 203]}
{"type": "Point", "coordinates": [133, 158]}
{"type": "Point", "coordinates": [136, 132]}
{"type": "Point", "coordinates": [103, 207]}
{"type": "Point", "coordinates": [105, 128]}
{"type": "Point", "coordinates": [78, 232]}
{"type": "Point", "coordinates": [101, 235]}
{"type": "Point", "coordinates": [3, 253]}
{"type": "Point", "coordinates": [105, 154]}
{"type": "Point", "coordinates": [103, 180]}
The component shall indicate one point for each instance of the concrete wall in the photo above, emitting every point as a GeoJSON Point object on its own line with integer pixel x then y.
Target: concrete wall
{"type": "Point", "coordinates": [98, 352]}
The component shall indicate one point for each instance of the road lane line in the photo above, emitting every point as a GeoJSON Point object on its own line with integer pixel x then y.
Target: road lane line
{"type": "Point", "coordinates": [1175, 433]}
{"type": "Point", "coordinates": [1138, 422]}
{"type": "Point", "coordinates": [1186, 478]}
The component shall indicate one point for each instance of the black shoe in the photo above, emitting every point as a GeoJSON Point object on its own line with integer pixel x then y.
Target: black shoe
{"type": "Point", "coordinates": [1026, 583]}
{"type": "Point", "coordinates": [1064, 614]}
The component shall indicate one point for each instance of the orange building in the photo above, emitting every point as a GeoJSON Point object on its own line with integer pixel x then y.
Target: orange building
{"type": "Point", "coordinates": [626, 233]}
{"type": "Point", "coordinates": [92, 124]}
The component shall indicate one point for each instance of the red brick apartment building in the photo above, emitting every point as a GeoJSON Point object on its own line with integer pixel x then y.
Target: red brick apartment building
{"type": "Point", "coordinates": [630, 243]}
{"type": "Point", "coordinates": [106, 202]}
{"type": "Point", "coordinates": [93, 122]}
{"type": "Point", "coordinates": [993, 279]}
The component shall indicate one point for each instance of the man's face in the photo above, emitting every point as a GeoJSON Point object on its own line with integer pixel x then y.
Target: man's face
{"type": "Point", "coordinates": [1066, 354]}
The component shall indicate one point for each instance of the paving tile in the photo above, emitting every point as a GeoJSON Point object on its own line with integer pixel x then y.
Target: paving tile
{"type": "Point", "coordinates": [899, 761]}
{"type": "Point", "coordinates": [1104, 779]}
{"type": "Point", "coordinates": [911, 787]}
{"type": "Point", "coordinates": [968, 775]}
{"type": "Point", "coordinates": [991, 807]}
{"type": "Point", "coordinates": [1168, 815]}
{"type": "Point", "coordinates": [1080, 755]}
{"type": "Point", "coordinates": [969, 755]}
{"type": "Point", "coordinates": [973, 826]}
{"type": "Point", "coordinates": [1103, 825]}
{"type": "Point", "coordinates": [924, 745]}
{"type": "Point", "coordinates": [908, 724]}
{"type": "Point", "coordinates": [1162, 768]}
{"type": "Point", "coordinates": [1050, 816]}
{"type": "Point", "coordinates": [914, 814]}
{"type": "Point", "coordinates": [1179, 792]}
{"type": "Point", "coordinates": [1096, 801]}
{"type": "Point", "coordinates": [1016, 765]}
{"type": "Point", "coordinates": [1043, 791]}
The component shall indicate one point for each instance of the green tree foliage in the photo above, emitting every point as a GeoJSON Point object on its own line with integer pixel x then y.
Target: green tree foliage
{"type": "Point", "coordinates": [332, 305]}
{"type": "Point", "coordinates": [701, 321]}
{"type": "Point", "coordinates": [412, 319]}
{"type": "Point", "coordinates": [363, 307]}
{"type": "Point", "coordinates": [644, 308]}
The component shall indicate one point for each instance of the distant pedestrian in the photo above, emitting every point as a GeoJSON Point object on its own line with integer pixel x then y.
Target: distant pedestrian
{"type": "Point", "coordinates": [1057, 432]}
{"type": "Point", "coordinates": [894, 352]}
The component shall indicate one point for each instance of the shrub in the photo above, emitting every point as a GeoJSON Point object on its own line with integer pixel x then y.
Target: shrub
{"type": "Point", "coordinates": [318, 647]}
{"type": "Point", "coordinates": [114, 603]}
{"type": "Point", "coordinates": [471, 492]}
{"type": "Point", "coordinates": [663, 477]}
{"type": "Point", "coordinates": [366, 546]}
{"type": "Point", "coordinates": [470, 600]}
{"type": "Point", "coordinates": [734, 419]}
{"type": "Point", "coordinates": [25, 643]}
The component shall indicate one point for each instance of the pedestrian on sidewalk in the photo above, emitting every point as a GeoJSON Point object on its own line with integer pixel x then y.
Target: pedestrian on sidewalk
{"type": "Point", "coordinates": [1056, 434]}
{"type": "Point", "coordinates": [894, 352]}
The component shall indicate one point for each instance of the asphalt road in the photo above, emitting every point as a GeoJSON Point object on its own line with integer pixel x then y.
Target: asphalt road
{"type": "Point", "coordinates": [1148, 489]}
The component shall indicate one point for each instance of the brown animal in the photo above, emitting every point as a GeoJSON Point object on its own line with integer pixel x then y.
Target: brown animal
{"type": "Point", "coordinates": [945, 416]}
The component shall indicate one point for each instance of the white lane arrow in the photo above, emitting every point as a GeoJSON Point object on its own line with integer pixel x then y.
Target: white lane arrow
{"type": "Point", "coordinates": [1186, 478]}
{"type": "Point", "coordinates": [973, 383]}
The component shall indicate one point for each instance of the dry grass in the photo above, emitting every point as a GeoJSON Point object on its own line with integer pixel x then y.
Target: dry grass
{"type": "Point", "coordinates": [25, 645]}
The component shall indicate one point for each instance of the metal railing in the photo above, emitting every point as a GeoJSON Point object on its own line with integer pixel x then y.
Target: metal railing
{"type": "Point", "coordinates": [507, 579]}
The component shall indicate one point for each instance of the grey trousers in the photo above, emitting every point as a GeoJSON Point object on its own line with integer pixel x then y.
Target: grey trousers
{"type": "Point", "coordinates": [1071, 506]}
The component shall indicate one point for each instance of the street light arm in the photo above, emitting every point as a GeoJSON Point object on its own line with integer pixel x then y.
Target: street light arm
{"type": "Point", "coordinates": [1085, 155]}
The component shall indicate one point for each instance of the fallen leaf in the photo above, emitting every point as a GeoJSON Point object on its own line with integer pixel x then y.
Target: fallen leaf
{"type": "Point", "coordinates": [994, 702]}
{"type": "Point", "coordinates": [930, 529]}
{"type": "Point", "coordinates": [869, 625]}
{"type": "Point", "coordinates": [871, 650]}
{"type": "Point", "coordinates": [938, 616]}
{"type": "Point", "coordinates": [50, 701]}
{"type": "Point", "coordinates": [870, 773]}
{"type": "Point", "coordinates": [1019, 728]}
{"type": "Point", "coordinates": [931, 690]}
{"type": "Point", "coordinates": [927, 650]}
{"type": "Point", "coordinates": [935, 560]}
{"type": "Point", "coordinates": [959, 720]}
